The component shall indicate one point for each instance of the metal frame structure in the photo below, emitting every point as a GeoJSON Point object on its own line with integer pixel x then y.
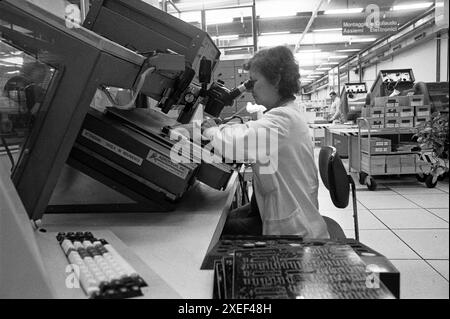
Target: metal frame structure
{"type": "Point", "coordinates": [83, 61]}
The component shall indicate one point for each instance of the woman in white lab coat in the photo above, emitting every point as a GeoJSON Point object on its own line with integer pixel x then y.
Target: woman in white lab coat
{"type": "Point", "coordinates": [285, 178]}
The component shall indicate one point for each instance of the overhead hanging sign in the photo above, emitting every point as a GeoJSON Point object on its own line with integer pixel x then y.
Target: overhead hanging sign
{"type": "Point", "coordinates": [361, 27]}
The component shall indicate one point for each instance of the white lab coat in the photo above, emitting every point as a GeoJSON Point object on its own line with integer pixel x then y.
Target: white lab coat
{"type": "Point", "coordinates": [287, 190]}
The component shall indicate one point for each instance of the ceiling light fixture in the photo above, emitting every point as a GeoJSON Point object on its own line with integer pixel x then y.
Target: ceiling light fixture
{"type": "Point", "coordinates": [226, 37]}
{"type": "Point", "coordinates": [355, 40]}
{"type": "Point", "coordinates": [327, 30]}
{"type": "Point", "coordinates": [412, 6]}
{"type": "Point", "coordinates": [348, 50]}
{"type": "Point", "coordinates": [309, 51]}
{"type": "Point", "coordinates": [275, 33]}
{"type": "Point", "coordinates": [338, 56]}
{"type": "Point", "coordinates": [344, 11]}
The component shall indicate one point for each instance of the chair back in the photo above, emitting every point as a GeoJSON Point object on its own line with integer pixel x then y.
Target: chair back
{"type": "Point", "coordinates": [334, 176]}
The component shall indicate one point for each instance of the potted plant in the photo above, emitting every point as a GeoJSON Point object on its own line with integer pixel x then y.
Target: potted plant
{"type": "Point", "coordinates": [433, 138]}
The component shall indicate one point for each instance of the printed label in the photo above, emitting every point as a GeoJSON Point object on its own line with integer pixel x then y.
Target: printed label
{"type": "Point", "coordinates": [165, 163]}
{"type": "Point", "coordinates": [112, 147]}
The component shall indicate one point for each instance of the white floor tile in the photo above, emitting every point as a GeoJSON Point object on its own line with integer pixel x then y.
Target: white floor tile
{"type": "Point", "coordinates": [443, 186]}
{"type": "Point", "coordinates": [441, 212]}
{"type": "Point", "coordinates": [386, 202]}
{"type": "Point", "coordinates": [409, 218]}
{"type": "Point", "coordinates": [407, 190]}
{"type": "Point", "coordinates": [419, 281]}
{"type": "Point", "coordinates": [366, 220]}
{"type": "Point", "coordinates": [325, 204]}
{"type": "Point", "coordinates": [429, 200]}
{"type": "Point", "coordinates": [379, 192]}
{"type": "Point", "coordinates": [441, 266]}
{"type": "Point", "coordinates": [429, 244]}
{"type": "Point", "coordinates": [386, 243]}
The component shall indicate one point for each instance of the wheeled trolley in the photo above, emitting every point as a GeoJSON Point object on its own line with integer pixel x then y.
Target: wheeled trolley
{"type": "Point", "coordinates": [372, 155]}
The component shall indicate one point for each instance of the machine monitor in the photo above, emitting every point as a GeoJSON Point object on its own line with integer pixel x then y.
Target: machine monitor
{"type": "Point", "coordinates": [353, 99]}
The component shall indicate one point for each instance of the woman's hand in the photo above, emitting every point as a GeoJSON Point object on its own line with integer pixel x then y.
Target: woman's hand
{"type": "Point", "coordinates": [212, 122]}
{"type": "Point", "coordinates": [207, 127]}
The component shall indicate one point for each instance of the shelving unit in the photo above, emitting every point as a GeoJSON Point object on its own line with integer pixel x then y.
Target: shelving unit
{"type": "Point", "coordinates": [368, 164]}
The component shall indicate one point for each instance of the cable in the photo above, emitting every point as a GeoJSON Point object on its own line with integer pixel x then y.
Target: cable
{"type": "Point", "coordinates": [226, 120]}
{"type": "Point", "coordinates": [131, 105]}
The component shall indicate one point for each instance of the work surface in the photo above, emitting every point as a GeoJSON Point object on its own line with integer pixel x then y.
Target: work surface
{"type": "Point", "coordinates": [172, 244]}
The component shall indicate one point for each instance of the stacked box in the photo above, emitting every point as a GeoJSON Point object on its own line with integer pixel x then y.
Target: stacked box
{"type": "Point", "coordinates": [423, 110]}
{"type": "Point", "coordinates": [377, 164]}
{"type": "Point", "coordinates": [377, 145]}
{"type": "Point", "coordinates": [380, 101]}
{"type": "Point", "coordinates": [392, 112]}
{"type": "Point", "coordinates": [416, 100]}
{"type": "Point", "coordinates": [374, 111]}
{"type": "Point", "coordinates": [407, 122]}
{"type": "Point", "coordinates": [393, 164]}
{"type": "Point", "coordinates": [392, 122]}
{"type": "Point", "coordinates": [395, 101]}
{"type": "Point", "coordinates": [406, 111]}
{"type": "Point", "coordinates": [376, 122]}
{"type": "Point", "coordinates": [420, 119]}
{"type": "Point", "coordinates": [408, 163]}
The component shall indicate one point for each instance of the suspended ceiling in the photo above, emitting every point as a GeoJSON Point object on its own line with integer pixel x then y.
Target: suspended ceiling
{"type": "Point", "coordinates": [321, 47]}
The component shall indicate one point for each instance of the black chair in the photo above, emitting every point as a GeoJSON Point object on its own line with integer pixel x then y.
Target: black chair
{"type": "Point", "coordinates": [335, 178]}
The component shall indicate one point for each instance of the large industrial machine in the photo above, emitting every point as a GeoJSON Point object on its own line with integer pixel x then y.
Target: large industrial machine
{"type": "Point", "coordinates": [391, 82]}
{"type": "Point", "coordinates": [401, 82]}
{"type": "Point", "coordinates": [122, 46]}
{"type": "Point", "coordinates": [353, 99]}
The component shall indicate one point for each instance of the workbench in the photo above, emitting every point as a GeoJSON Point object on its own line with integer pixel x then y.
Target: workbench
{"type": "Point", "coordinates": [166, 248]}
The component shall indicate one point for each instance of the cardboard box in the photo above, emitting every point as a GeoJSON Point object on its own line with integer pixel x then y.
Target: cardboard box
{"type": "Point", "coordinates": [377, 164]}
{"type": "Point", "coordinates": [393, 165]}
{"type": "Point", "coordinates": [392, 122]}
{"type": "Point", "coordinates": [376, 122]}
{"type": "Point", "coordinates": [416, 100]}
{"type": "Point", "coordinates": [420, 119]}
{"type": "Point", "coordinates": [406, 111]}
{"type": "Point", "coordinates": [377, 145]}
{"type": "Point", "coordinates": [376, 112]}
{"type": "Point", "coordinates": [423, 110]}
{"type": "Point", "coordinates": [408, 163]}
{"type": "Point", "coordinates": [394, 101]}
{"type": "Point", "coordinates": [407, 121]}
{"type": "Point", "coordinates": [392, 112]}
{"type": "Point", "coordinates": [373, 111]}
{"type": "Point", "coordinates": [380, 101]}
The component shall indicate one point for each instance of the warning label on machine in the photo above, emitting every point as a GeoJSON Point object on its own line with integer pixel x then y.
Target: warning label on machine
{"type": "Point", "coordinates": [165, 163]}
{"type": "Point", "coordinates": [112, 147]}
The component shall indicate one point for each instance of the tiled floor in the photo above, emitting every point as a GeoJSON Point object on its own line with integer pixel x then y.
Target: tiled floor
{"type": "Point", "coordinates": [406, 222]}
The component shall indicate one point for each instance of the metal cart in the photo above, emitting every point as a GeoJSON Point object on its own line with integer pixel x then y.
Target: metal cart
{"type": "Point", "coordinates": [367, 171]}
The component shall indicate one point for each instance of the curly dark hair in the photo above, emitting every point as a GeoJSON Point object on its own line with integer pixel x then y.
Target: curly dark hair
{"type": "Point", "coordinates": [278, 63]}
